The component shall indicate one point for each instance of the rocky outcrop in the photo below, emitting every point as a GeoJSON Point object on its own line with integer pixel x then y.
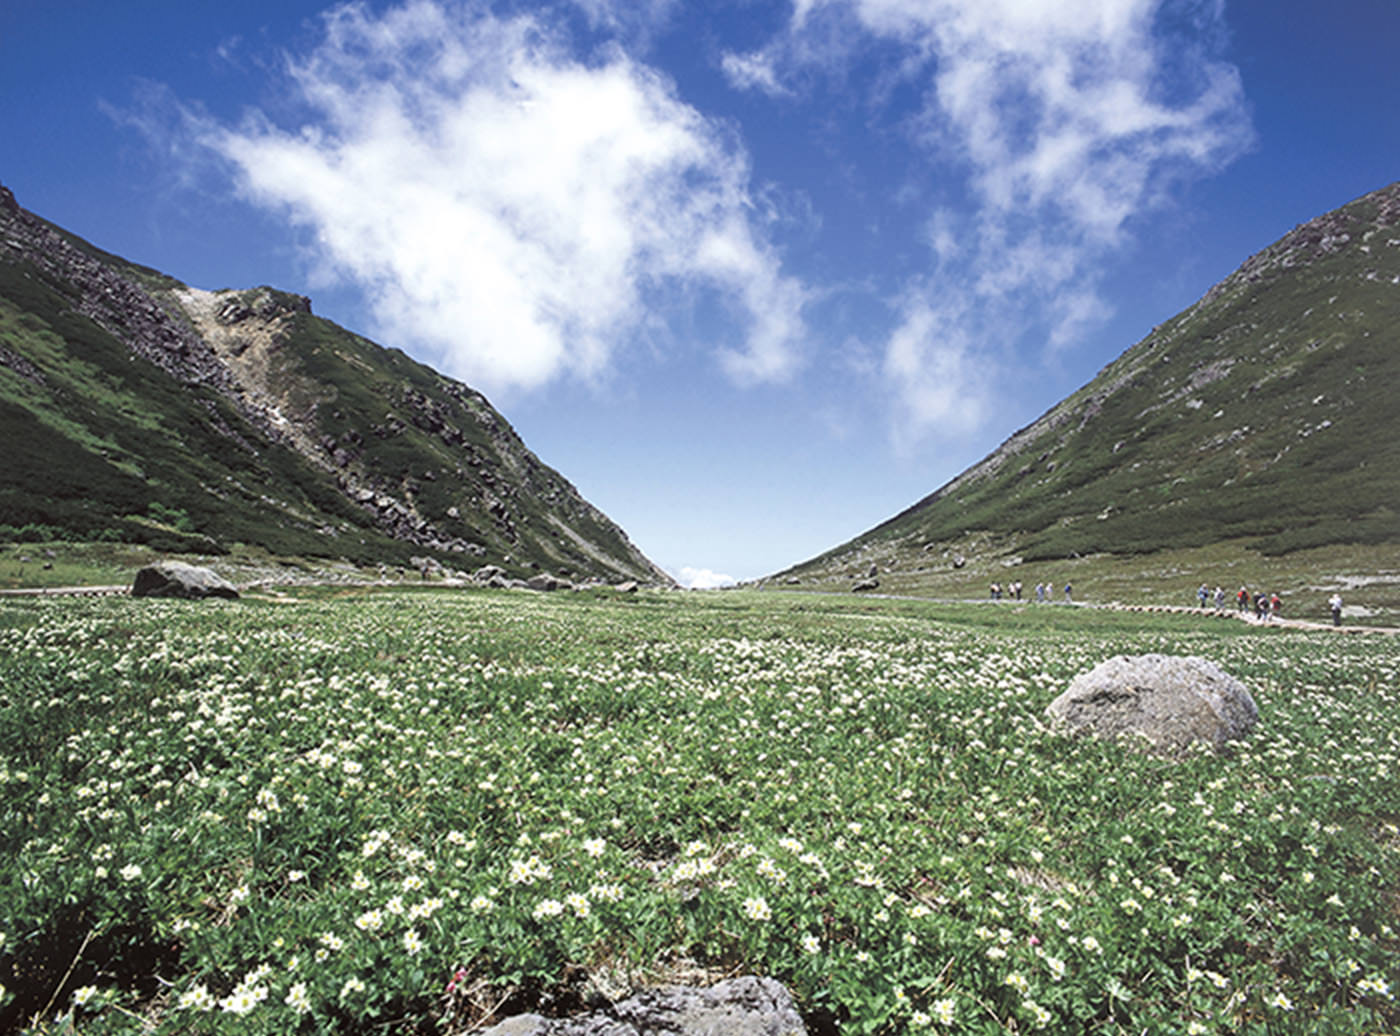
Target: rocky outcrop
{"type": "Point", "coordinates": [745, 1006]}
{"type": "Point", "coordinates": [1168, 703]}
{"type": "Point", "coordinates": [176, 579]}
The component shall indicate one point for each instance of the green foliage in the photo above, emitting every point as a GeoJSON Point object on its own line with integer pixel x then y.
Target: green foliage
{"type": "Point", "coordinates": [29, 533]}
{"type": "Point", "coordinates": [322, 813]}
{"type": "Point", "coordinates": [176, 517]}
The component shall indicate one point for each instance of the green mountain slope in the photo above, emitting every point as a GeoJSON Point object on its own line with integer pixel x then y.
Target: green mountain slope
{"type": "Point", "coordinates": [137, 409]}
{"type": "Point", "coordinates": [1264, 415]}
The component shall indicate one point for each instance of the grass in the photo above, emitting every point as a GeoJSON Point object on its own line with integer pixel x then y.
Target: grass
{"type": "Point", "coordinates": [313, 816]}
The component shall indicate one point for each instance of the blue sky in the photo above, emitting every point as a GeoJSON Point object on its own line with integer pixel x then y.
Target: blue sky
{"type": "Point", "coordinates": [754, 275]}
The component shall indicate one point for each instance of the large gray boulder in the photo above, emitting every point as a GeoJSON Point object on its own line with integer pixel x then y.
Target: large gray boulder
{"type": "Point", "coordinates": [745, 1006]}
{"type": "Point", "coordinates": [177, 579]}
{"type": "Point", "coordinates": [1167, 702]}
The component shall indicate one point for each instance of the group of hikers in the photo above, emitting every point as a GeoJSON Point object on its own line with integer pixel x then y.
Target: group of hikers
{"type": "Point", "coordinates": [1265, 606]}
{"type": "Point", "coordinates": [1043, 591]}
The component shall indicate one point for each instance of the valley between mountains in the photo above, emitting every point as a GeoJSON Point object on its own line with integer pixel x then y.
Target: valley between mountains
{"type": "Point", "coordinates": [1253, 439]}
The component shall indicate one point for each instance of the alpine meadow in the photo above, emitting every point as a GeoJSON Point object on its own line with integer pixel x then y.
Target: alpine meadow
{"type": "Point", "coordinates": [418, 811]}
{"type": "Point", "coordinates": [503, 531]}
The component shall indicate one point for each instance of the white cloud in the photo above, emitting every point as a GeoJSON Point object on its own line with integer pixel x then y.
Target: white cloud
{"type": "Point", "coordinates": [942, 382]}
{"type": "Point", "coordinates": [513, 210]}
{"type": "Point", "coordinates": [1064, 122]}
{"type": "Point", "coordinates": [752, 72]}
{"type": "Point", "coordinates": [702, 578]}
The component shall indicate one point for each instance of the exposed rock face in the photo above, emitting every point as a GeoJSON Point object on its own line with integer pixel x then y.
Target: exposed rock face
{"type": "Point", "coordinates": [176, 579]}
{"type": "Point", "coordinates": [866, 584]}
{"type": "Point", "coordinates": [1171, 701]}
{"type": "Point", "coordinates": [745, 1006]}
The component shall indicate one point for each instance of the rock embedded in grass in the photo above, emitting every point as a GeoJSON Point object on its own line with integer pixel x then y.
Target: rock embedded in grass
{"type": "Point", "coordinates": [743, 1006]}
{"type": "Point", "coordinates": [177, 579]}
{"type": "Point", "coordinates": [1171, 702]}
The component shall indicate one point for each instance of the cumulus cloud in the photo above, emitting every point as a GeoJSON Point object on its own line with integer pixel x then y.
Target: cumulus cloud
{"type": "Point", "coordinates": [702, 578]}
{"type": "Point", "coordinates": [1063, 122]}
{"type": "Point", "coordinates": [513, 210]}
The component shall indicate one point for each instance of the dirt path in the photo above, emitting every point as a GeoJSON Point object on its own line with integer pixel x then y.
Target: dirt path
{"type": "Point", "coordinates": [1230, 613]}
{"type": "Point", "coordinates": [1177, 609]}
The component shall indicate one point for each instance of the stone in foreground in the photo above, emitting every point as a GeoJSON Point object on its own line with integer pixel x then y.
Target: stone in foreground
{"type": "Point", "coordinates": [745, 1006]}
{"type": "Point", "coordinates": [177, 579]}
{"type": "Point", "coordinates": [1173, 702]}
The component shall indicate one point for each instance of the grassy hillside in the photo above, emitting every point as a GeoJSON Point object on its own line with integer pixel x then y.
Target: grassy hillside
{"type": "Point", "coordinates": [1264, 416]}
{"type": "Point", "coordinates": [146, 412]}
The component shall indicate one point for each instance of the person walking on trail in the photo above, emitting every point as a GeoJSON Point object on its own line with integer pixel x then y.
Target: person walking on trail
{"type": "Point", "coordinates": [1275, 603]}
{"type": "Point", "coordinates": [1202, 594]}
{"type": "Point", "coordinates": [1069, 593]}
{"type": "Point", "coordinates": [1219, 599]}
{"type": "Point", "coordinates": [1242, 599]}
{"type": "Point", "coordinates": [1335, 603]}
